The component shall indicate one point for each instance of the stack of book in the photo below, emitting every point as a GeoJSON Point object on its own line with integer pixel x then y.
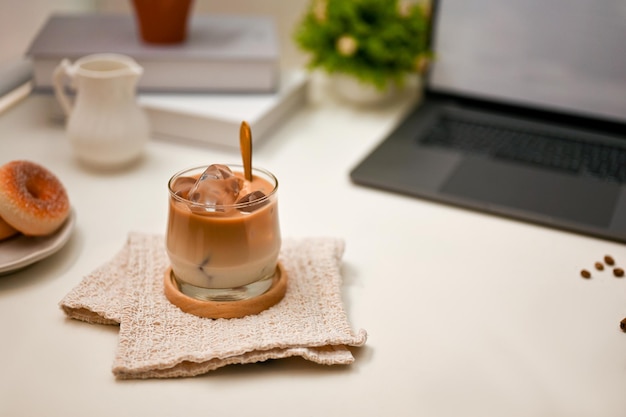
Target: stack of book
{"type": "Point", "coordinates": [228, 64]}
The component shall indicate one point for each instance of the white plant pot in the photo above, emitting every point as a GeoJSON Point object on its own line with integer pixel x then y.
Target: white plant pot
{"type": "Point", "coordinates": [354, 91]}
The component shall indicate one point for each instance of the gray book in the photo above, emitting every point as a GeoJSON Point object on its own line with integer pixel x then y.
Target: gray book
{"type": "Point", "coordinates": [222, 53]}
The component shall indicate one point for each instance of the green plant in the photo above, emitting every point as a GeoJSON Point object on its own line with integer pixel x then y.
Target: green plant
{"type": "Point", "coordinates": [375, 41]}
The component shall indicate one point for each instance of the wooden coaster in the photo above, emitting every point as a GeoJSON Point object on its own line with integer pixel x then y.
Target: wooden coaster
{"type": "Point", "coordinates": [226, 309]}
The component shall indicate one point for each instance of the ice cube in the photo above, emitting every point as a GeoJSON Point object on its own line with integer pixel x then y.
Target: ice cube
{"type": "Point", "coordinates": [217, 171]}
{"type": "Point", "coordinates": [251, 198]}
{"type": "Point", "coordinates": [182, 185]}
{"type": "Point", "coordinates": [216, 186]}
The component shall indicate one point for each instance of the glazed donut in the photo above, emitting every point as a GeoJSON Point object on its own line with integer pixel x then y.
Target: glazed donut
{"type": "Point", "coordinates": [6, 230]}
{"type": "Point", "coordinates": [32, 199]}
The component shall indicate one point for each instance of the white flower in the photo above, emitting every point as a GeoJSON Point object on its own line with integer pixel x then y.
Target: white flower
{"type": "Point", "coordinates": [404, 7]}
{"type": "Point", "coordinates": [347, 45]}
{"type": "Point", "coordinates": [319, 10]}
{"type": "Point", "coordinates": [421, 64]}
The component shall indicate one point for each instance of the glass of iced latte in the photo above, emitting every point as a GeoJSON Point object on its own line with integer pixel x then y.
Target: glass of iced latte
{"type": "Point", "coordinates": [223, 234]}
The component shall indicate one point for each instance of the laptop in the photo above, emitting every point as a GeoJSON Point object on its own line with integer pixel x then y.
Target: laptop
{"type": "Point", "coordinates": [523, 115]}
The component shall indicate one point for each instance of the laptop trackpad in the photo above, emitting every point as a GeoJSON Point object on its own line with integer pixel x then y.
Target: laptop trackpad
{"type": "Point", "coordinates": [490, 184]}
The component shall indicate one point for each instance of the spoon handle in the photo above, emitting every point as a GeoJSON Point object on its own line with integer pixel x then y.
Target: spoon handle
{"type": "Point", "coordinates": [245, 144]}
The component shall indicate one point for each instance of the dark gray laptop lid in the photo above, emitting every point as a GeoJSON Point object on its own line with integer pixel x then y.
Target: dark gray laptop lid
{"type": "Point", "coordinates": [563, 55]}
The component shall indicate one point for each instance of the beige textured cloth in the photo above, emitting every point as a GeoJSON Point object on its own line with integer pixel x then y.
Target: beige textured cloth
{"type": "Point", "coordinates": [158, 340]}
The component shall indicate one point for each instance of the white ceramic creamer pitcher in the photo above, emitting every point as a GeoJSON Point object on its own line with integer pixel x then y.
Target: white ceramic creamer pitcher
{"type": "Point", "coordinates": [105, 125]}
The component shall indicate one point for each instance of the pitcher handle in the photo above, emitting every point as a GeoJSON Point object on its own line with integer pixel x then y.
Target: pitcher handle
{"type": "Point", "coordinates": [59, 86]}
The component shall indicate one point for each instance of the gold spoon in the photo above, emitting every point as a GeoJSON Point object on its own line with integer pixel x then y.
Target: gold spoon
{"type": "Point", "coordinates": [245, 144]}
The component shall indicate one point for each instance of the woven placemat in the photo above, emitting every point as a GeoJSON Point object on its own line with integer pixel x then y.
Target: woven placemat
{"type": "Point", "coordinates": [158, 340]}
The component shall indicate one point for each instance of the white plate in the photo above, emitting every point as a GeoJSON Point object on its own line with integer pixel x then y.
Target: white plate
{"type": "Point", "coordinates": [20, 251]}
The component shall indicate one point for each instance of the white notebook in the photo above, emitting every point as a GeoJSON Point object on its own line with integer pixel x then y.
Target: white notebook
{"type": "Point", "coordinates": [216, 118]}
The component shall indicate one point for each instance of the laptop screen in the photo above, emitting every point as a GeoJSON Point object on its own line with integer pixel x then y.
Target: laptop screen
{"type": "Point", "coordinates": [561, 55]}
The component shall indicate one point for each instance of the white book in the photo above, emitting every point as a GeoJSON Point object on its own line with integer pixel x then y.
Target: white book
{"type": "Point", "coordinates": [15, 83]}
{"type": "Point", "coordinates": [216, 118]}
{"type": "Point", "coordinates": [222, 53]}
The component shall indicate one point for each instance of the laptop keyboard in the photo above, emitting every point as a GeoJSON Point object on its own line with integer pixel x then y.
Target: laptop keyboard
{"type": "Point", "coordinates": [546, 150]}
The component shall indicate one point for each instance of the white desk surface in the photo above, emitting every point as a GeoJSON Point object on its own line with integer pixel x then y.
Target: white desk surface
{"type": "Point", "coordinates": [467, 314]}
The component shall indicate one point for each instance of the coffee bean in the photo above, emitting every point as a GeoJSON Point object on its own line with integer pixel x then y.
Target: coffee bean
{"type": "Point", "coordinates": [585, 274]}
{"type": "Point", "coordinates": [599, 266]}
{"type": "Point", "coordinates": [618, 272]}
{"type": "Point", "coordinates": [622, 325]}
{"type": "Point", "coordinates": [608, 259]}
